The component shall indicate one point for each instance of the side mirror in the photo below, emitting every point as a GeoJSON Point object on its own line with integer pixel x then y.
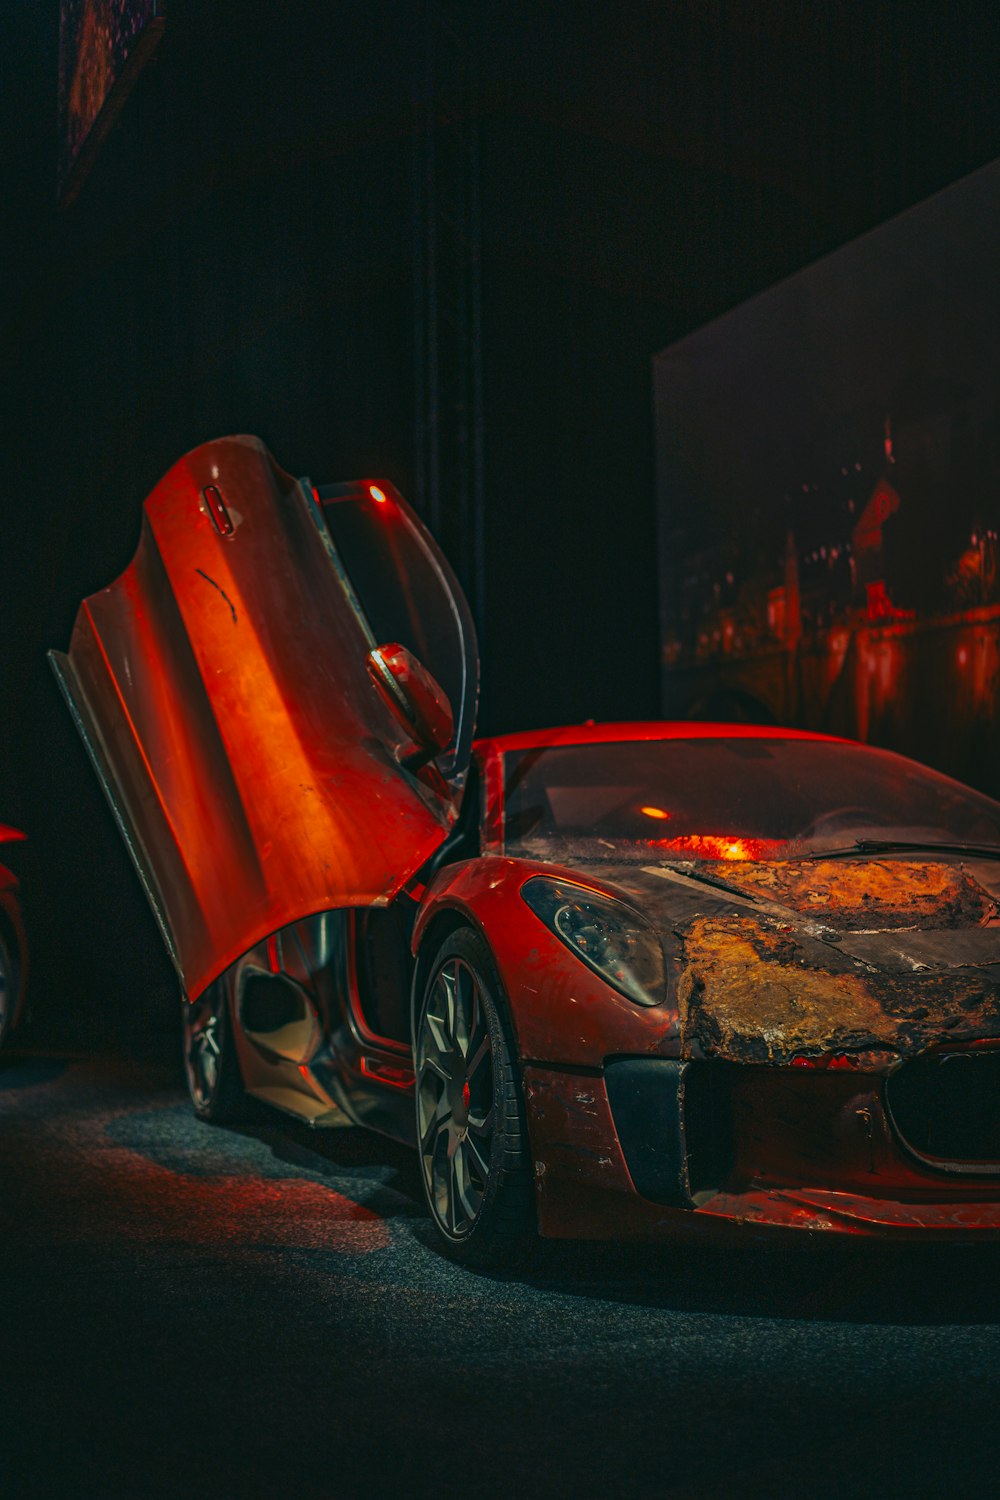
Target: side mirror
{"type": "Point", "coordinates": [413, 696]}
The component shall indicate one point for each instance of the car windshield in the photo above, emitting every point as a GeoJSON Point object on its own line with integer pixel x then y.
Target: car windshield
{"type": "Point", "coordinates": [729, 798]}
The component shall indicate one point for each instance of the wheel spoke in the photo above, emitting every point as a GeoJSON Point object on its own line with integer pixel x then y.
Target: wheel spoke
{"type": "Point", "coordinates": [476, 1061]}
{"type": "Point", "coordinates": [482, 1126]}
{"type": "Point", "coordinates": [477, 1159]}
{"type": "Point", "coordinates": [463, 1188]}
{"type": "Point", "coordinates": [434, 1066]}
{"type": "Point", "coordinates": [438, 1170]}
{"type": "Point", "coordinates": [438, 1119]}
{"type": "Point", "coordinates": [452, 1194]}
{"type": "Point", "coordinates": [435, 1125]}
{"type": "Point", "coordinates": [446, 983]}
{"type": "Point", "coordinates": [466, 1008]}
{"type": "Point", "coordinates": [208, 1041]}
{"type": "Point", "coordinates": [435, 1032]}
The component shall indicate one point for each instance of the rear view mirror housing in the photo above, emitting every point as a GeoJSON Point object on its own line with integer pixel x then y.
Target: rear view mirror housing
{"type": "Point", "coordinates": [413, 696]}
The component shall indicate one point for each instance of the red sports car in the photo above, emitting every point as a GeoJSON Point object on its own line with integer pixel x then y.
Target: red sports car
{"type": "Point", "coordinates": [610, 980]}
{"type": "Point", "coordinates": [13, 948]}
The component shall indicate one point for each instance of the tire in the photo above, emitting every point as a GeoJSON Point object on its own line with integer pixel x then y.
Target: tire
{"type": "Point", "coordinates": [8, 990]}
{"type": "Point", "coordinates": [211, 1066]}
{"type": "Point", "coordinates": [472, 1138]}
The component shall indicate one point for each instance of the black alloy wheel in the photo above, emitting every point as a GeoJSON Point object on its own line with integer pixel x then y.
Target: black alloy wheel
{"type": "Point", "coordinates": [471, 1132]}
{"type": "Point", "coordinates": [211, 1065]}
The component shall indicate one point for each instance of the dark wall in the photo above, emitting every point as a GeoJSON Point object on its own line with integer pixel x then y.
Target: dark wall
{"type": "Point", "coordinates": [241, 259]}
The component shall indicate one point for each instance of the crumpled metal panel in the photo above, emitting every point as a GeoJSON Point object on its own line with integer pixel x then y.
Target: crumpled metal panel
{"type": "Point", "coordinates": [221, 688]}
{"type": "Point", "coordinates": [753, 991]}
{"type": "Point", "coordinates": [804, 958]}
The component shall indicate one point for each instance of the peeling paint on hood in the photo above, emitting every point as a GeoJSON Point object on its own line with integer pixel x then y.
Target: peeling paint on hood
{"type": "Point", "coordinates": [749, 992]}
{"type": "Point", "coordinates": [897, 892]}
{"type": "Point", "coordinates": [802, 958]}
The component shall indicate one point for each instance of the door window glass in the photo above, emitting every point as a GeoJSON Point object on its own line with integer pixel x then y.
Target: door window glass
{"type": "Point", "coordinates": [408, 594]}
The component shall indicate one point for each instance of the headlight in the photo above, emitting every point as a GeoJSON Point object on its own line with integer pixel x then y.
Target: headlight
{"type": "Point", "coordinates": [608, 936]}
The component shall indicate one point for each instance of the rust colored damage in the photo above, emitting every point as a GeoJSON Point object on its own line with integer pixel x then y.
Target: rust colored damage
{"type": "Point", "coordinates": [749, 993]}
{"type": "Point", "coordinates": [896, 892]}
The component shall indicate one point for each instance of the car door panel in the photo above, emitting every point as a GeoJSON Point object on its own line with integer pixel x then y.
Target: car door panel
{"type": "Point", "coordinates": [220, 685]}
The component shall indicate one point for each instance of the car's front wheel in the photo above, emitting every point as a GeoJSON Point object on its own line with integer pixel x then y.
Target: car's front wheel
{"type": "Point", "coordinates": [211, 1065]}
{"type": "Point", "coordinates": [471, 1131]}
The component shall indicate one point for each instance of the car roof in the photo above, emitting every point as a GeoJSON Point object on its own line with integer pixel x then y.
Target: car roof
{"type": "Point", "coordinates": [645, 729]}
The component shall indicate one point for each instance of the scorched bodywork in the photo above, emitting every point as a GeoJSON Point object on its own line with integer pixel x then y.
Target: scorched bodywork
{"type": "Point", "coordinates": [610, 980]}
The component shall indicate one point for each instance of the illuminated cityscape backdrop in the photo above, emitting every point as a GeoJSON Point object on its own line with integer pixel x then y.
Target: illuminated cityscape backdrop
{"type": "Point", "coordinates": [829, 494]}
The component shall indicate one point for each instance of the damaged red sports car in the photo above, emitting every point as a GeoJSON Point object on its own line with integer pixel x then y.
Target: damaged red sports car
{"type": "Point", "coordinates": [613, 980]}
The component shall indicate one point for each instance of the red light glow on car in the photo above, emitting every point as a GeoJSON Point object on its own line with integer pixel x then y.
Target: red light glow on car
{"type": "Point", "coordinates": [376, 494]}
{"type": "Point", "coordinates": [654, 812]}
{"type": "Point", "coordinates": [720, 846]}
{"type": "Point", "coordinates": [397, 1077]}
{"type": "Point", "coordinates": [825, 1061]}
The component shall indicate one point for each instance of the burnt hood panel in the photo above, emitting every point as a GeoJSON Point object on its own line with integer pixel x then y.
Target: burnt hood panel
{"type": "Point", "coordinates": [900, 915]}
{"type": "Point", "coordinates": [759, 980]}
{"type": "Point", "coordinates": [221, 689]}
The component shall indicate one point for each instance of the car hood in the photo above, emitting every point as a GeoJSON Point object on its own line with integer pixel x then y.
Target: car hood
{"type": "Point", "coordinates": [802, 958]}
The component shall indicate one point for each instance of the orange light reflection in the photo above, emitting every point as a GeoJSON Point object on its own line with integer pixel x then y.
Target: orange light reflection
{"type": "Point", "coordinates": [720, 846]}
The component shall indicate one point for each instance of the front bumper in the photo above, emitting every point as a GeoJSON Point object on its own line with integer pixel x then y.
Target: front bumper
{"type": "Point", "coordinates": [636, 1152]}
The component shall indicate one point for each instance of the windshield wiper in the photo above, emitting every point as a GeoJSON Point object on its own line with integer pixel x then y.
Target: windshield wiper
{"type": "Point", "coordinates": [688, 868]}
{"type": "Point", "coordinates": [888, 846]}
